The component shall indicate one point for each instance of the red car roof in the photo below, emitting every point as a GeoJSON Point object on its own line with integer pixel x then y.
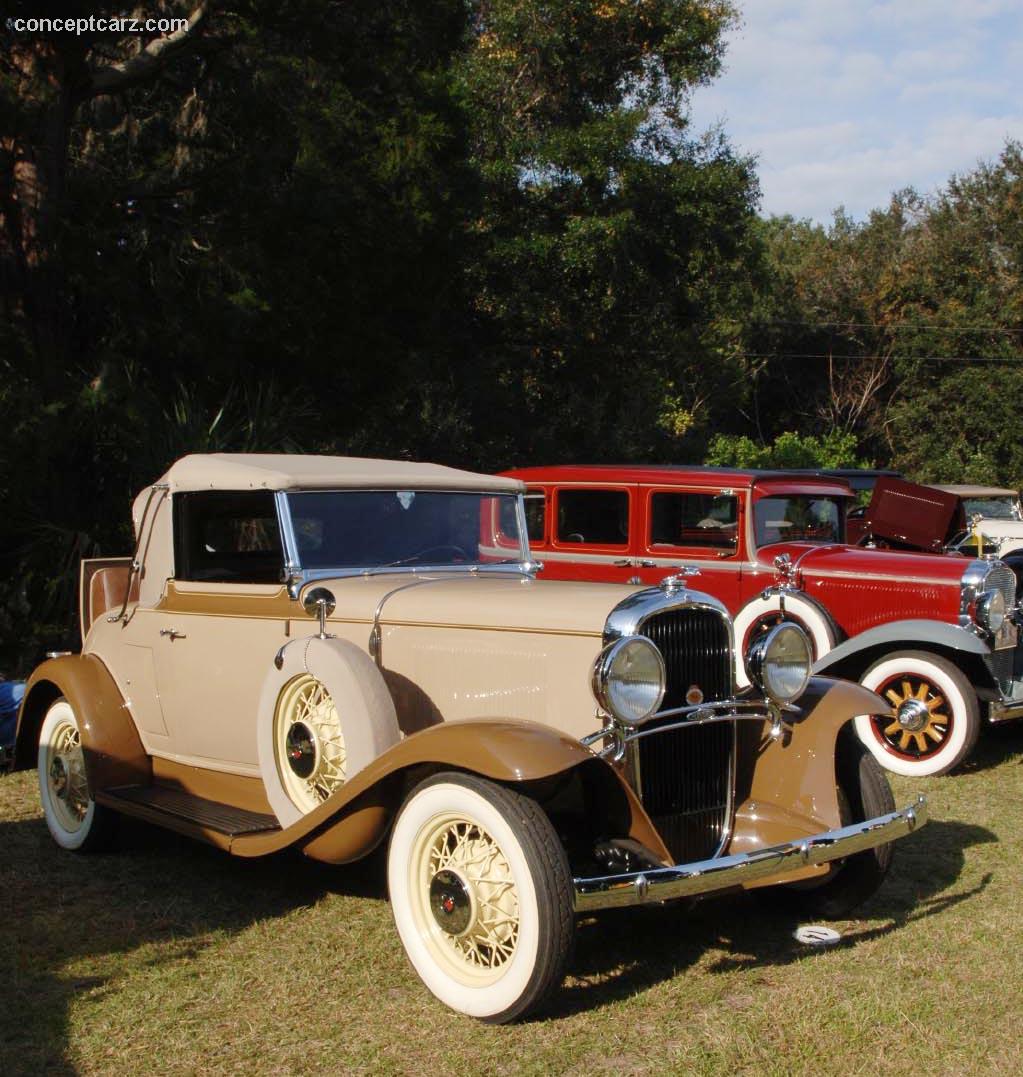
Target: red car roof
{"type": "Point", "coordinates": [666, 474]}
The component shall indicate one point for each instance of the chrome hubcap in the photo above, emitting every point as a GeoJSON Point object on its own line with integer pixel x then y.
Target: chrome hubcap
{"type": "Point", "coordinates": [451, 903]}
{"type": "Point", "coordinates": [301, 750]}
{"type": "Point", "coordinates": [913, 715]}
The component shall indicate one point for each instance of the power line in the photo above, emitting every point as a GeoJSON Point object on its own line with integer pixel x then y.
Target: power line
{"type": "Point", "coordinates": [897, 326]}
{"type": "Point", "coordinates": [914, 358]}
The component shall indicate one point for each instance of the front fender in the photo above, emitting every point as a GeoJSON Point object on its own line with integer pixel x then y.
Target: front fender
{"type": "Point", "coordinates": [352, 821]}
{"type": "Point", "coordinates": [110, 742]}
{"type": "Point", "coordinates": [786, 788]}
{"type": "Point", "coordinates": [904, 635]}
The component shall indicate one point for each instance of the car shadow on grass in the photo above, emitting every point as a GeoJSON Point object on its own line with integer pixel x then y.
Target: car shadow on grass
{"type": "Point", "coordinates": [622, 953]}
{"type": "Point", "coordinates": [997, 744]}
{"type": "Point", "coordinates": [71, 925]}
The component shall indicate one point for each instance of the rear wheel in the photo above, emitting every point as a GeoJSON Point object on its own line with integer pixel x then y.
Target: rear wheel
{"type": "Point", "coordinates": [482, 896]}
{"type": "Point", "coordinates": [74, 819]}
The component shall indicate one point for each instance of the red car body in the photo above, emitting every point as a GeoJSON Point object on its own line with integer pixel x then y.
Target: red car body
{"type": "Point", "coordinates": [772, 545]}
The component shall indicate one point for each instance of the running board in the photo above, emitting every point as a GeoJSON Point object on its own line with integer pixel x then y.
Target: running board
{"type": "Point", "coordinates": [187, 814]}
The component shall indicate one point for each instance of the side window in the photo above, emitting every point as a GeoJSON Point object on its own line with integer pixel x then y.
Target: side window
{"type": "Point", "coordinates": [227, 537]}
{"type": "Point", "coordinates": [685, 519]}
{"type": "Point", "coordinates": [536, 515]}
{"type": "Point", "coordinates": [600, 517]}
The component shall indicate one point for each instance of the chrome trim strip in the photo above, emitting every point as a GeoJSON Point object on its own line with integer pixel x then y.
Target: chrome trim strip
{"type": "Point", "coordinates": [706, 876]}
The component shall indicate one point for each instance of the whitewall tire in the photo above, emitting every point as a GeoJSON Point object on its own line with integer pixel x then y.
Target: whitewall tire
{"type": "Point", "coordinates": [945, 714]}
{"type": "Point", "coordinates": [74, 819]}
{"type": "Point", "coordinates": [482, 896]}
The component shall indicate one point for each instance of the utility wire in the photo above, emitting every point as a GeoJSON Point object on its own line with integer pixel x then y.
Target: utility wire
{"type": "Point", "coordinates": [895, 326]}
{"type": "Point", "coordinates": [914, 358]}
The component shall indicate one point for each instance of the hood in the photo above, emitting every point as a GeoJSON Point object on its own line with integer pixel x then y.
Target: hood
{"type": "Point", "coordinates": [919, 517]}
{"type": "Point", "coordinates": [484, 601]}
{"type": "Point", "coordinates": [862, 562]}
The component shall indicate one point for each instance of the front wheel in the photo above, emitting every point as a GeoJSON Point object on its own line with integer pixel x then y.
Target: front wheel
{"type": "Point", "coordinates": [75, 820]}
{"type": "Point", "coordinates": [937, 716]}
{"type": "Point", "coordinates": [482, 896]}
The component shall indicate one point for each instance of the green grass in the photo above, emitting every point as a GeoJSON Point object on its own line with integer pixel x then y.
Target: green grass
{"type": "Point", "coordinates": [168, 957]}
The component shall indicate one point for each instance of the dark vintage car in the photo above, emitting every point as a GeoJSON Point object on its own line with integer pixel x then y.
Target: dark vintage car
{"type": "Point", "coordinates": [932, 634]}
{"type": "Point", "coordinates": [326, 654]}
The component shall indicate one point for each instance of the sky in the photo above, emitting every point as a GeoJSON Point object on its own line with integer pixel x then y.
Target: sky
{"type": "Point", "coordinates": [845, 101]}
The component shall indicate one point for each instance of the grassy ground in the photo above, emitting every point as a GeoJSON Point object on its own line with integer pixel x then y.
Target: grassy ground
{"type": "Point", "coordinates": [171, 958]}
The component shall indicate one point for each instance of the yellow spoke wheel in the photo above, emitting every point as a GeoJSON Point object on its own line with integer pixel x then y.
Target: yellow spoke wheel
{"type": "Point", "coordinates": [309, 744]}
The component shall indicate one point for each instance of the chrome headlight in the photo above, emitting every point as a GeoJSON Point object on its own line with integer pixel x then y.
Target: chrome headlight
{"type": "Point", "coordinates": [778, 662]}
{"type": "Point", "coordinates": [991, 611]}
{"type": "Point", "coordinates": [629, 679]}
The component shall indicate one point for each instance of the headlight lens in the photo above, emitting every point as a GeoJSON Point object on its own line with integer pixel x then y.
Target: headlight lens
{"type": "Point", "coordinates": [629, 679]}
{"type": "Point", "coordinates": [778, 662]}
{"type": "Point", "coordinates": [991, 611]}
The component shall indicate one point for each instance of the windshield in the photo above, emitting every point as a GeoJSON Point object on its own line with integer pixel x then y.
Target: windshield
{"type": "Point", "coordinates": [995, 508]}
{"type": "Point", "coordinates": [798, 518]}
{"type": "Point", "coordinates": [395, 528]}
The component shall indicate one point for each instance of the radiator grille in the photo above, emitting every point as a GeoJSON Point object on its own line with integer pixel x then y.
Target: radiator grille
{"type": "Point", "coordinates": [1000, 664]}
{"type": "Point", "coordinates": [685, 775]}
{"type": "Point", "coordinates": [694, 643]}
{"type": "Point", "coordinates": [1002, 578]}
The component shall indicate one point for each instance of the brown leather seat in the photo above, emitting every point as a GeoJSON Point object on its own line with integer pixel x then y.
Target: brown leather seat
{"type": "Point", "coordinates": [106, 590]}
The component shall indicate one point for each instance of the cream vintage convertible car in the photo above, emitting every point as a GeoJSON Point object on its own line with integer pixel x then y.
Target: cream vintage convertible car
{"type": "Point", "coordinates": [325, 653]}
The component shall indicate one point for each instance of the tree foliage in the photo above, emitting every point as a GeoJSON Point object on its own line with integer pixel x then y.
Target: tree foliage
{"type": "Point", "coordinates": [436, 230]}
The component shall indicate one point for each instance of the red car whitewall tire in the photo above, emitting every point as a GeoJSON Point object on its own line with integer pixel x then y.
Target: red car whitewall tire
{"type": "Point", "coordinates": [944, 738]}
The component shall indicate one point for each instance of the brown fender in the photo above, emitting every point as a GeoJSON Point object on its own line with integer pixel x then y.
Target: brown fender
{"type": "Point", "coordinates": [356, 817]}
{"type": "Point", "coordinates": [786, 789]}
{"type": "Point", "coordinates": [113, 752]}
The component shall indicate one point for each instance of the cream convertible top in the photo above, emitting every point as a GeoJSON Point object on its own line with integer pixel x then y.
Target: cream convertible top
{"type": "Point", "coordinates": [269, 471]}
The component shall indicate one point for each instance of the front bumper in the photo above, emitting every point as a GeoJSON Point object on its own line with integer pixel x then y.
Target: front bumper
{"type": "Point", "coordinates": [727, 872]}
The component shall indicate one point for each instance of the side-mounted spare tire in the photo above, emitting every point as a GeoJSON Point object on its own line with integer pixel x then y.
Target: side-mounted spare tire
{"type": "Point", "coordinates": [323, 716]}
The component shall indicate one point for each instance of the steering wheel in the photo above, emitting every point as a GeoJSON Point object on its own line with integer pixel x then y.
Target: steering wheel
{"type": "Point", "coordinates": [448, 547]}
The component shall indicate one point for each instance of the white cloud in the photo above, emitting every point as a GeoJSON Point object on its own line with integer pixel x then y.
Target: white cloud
{"type": "Point", "coordinates": [845, 101]}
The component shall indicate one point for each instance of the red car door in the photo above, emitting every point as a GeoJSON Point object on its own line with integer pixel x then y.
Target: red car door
{"type": "Point", "coordinates": [692, 526]}
{"type": "Point", "coordinates": [583, 531]}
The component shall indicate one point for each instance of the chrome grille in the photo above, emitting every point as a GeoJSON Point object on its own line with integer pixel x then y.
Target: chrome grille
{"type": "Point", "coordinates": [1002, 578]}
{"type": "Point", "coordinates": [696, 650]}
{"type": "Point", "coordinates": [684, 776]}
{"type": "Point", "coordinates": [1000, 666]}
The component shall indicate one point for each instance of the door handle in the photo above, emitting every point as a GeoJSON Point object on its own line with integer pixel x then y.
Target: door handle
{"type": "Point", "coordinates": [172, 633]}
{"type": "Point", "coordinates": [642, 563]}
{"type": "Point", "coordinates": [622, 563]}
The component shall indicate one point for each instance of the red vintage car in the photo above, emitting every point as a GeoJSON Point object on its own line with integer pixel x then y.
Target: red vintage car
{"type": "Point", "coordinates": [933, 634]}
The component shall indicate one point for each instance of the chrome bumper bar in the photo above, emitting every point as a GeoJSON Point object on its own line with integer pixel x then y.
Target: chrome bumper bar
{"type": "Point", "coordinates": [726, 872]}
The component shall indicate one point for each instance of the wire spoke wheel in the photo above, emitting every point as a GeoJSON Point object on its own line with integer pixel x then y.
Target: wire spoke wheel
{"type": "Point", "coordinates": [465, 885]}
{"type": "Point", "coordinates": [64, 775]}
{"type": "Point", "coordinates": [482, 895]}
{"type": "Point", "coordinates": [308, 743]}
{"type": "Point", "coordinates": [73, 817]}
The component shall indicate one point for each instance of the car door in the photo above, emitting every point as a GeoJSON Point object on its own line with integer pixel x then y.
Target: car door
{"type": "Point", "coordinates": [217, 627]}
{"type": "Point", "coordinates": [587, 531]}
{"type": "Point", "coordinates": [693, 527]}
